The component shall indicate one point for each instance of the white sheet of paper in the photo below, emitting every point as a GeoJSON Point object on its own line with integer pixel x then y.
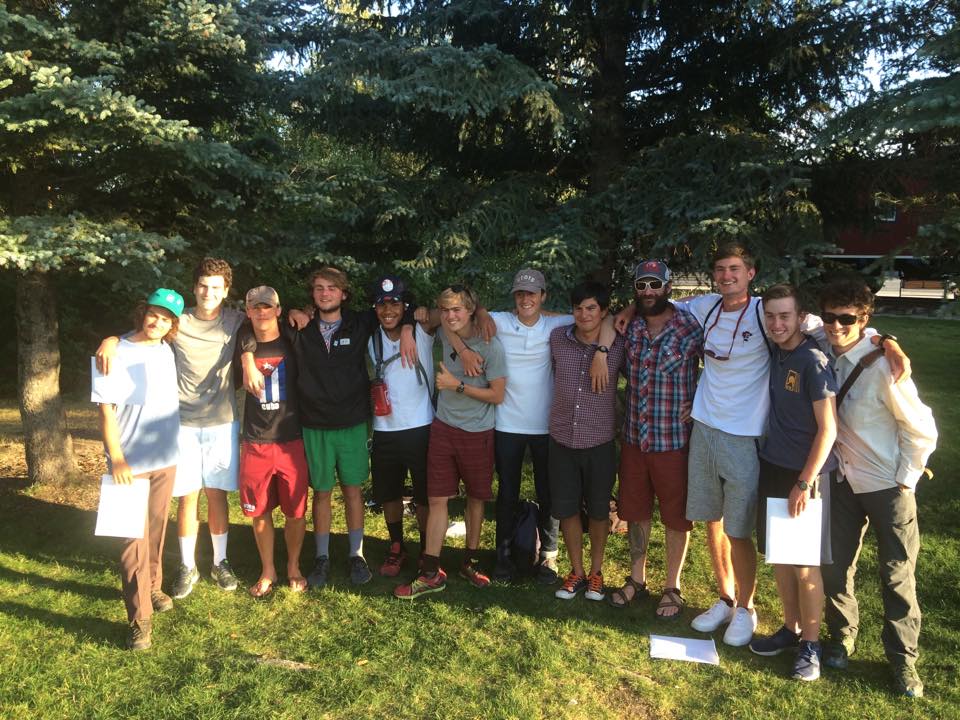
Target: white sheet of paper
{"type": "Point", "coordinates": [123, 508]}
{"type": "Point", "coordinates": [125, 385]}
{"type": "Point", "coordinates": [794, 541]}
{"type": "Point", "coordinates": [686, 649]}
{"type": "Point", "coordinates": [457, 529]}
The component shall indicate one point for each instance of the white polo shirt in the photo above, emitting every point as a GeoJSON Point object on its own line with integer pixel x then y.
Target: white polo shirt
{"type": "Point", "coordinates": [526, 405]}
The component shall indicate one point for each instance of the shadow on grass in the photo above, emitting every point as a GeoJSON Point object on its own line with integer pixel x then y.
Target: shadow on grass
{"type": "Point", "coordinates": [83, 627]}
{"type": "Point", "coordinates": [93, 592]}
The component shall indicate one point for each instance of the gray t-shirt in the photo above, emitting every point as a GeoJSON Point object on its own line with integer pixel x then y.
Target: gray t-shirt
{"type": "Point", "coordinates": [147, 408]}
{"type": "Point", "coordinates": [204, 351]}
{"type": "Point", "coordinates": [798, 379]}
{"type": "Point", "coordinates": [457, 409]}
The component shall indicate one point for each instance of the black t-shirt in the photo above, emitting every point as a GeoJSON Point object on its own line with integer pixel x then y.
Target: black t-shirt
{"type": "Point", "coordinates": [274, 416]}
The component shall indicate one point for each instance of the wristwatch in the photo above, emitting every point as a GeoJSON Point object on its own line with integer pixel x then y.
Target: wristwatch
{"type": "Point", "coordinates": [460, 387]}
{"type": "Point", "coordinates": [803, 485]}
{"type": "Point", "coordinates": [603, 348]}
{"type": "Point", "coordinates": [884, 338]}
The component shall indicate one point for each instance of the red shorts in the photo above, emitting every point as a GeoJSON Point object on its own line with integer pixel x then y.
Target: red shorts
{"type": "Point", "coordinates": [454, 454]}
{"type": "Point", "coordinates": [645, 474]}
{"type": "Point", "coordinates": [273, 474]}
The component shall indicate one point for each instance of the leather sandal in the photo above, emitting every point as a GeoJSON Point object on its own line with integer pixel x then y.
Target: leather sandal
{"type": "Point", "coordinates": [670, 598]}
{"type": "Point", "coordinates": [618, 598]}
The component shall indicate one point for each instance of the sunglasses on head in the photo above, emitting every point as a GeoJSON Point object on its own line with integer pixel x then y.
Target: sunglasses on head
{"type": "Point", "coordinates": [456, 288]}
{"type": "Point", "coordinates": [644, 284]}
{"type": "Point", "coordinates": [845, 319]}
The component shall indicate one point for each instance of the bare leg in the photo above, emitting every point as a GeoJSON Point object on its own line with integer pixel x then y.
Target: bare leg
{"type": "Point", "coordinates": [436, 525]}
{"type": "Point", "coordinates": [572, 529]}
{"type": "Point", "coordinates": [473, 517]}
{"type": "Point", "coordinates": [263, 533]}
{"type": "Point", "coordinates": [599, 529]}
{"type": "Point", "coordinates": [639, 534]}
{"type": "Point", "coordinates": [744, 556]}
{"type": "Point", "coordinates": [810, 585]}
{"type": "Point", "coordinates": [293, 532]}
{"type": "Point", "coordinates": [787, 588]}
{"type": "Point", "coordinates": [218, 513]}
{"type": "Point", "coordinates": [677, 542]}
{"type": "Point", "coordinates": [719, 547]}
{"type": "Point", "coordinates": [353, 506]}
{"type": "Point", "coordinates": [321, 511]}
{"type": "Point", "coordinates": [187, 523]}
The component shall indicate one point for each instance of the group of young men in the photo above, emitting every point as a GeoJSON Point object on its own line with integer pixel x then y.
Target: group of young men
{"type": "Point", "coordinates": [527, 379]}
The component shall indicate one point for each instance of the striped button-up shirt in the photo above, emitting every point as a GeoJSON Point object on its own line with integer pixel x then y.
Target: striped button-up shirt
{"type": "Point", "coordinates": [579, 417]}
{"type": "Point", "coordinates": [661, 380]}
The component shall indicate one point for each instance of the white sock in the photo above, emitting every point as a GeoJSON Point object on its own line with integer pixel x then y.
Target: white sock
{"type": "Point", "coordinates": [219, 547]}
{"type": "Point", "coordinates": [188, 551]}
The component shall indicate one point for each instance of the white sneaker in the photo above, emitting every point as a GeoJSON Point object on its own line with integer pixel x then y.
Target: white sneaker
{"type": "Point", "coordinates": [741, 628]}
{"type": "Point", "coordinates": [719, 614]}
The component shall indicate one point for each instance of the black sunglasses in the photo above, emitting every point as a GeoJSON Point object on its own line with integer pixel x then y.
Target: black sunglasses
{"type": "Point", "coordinates": [845, 319]}
{"type": "Point", "coordinates": [644, 284]}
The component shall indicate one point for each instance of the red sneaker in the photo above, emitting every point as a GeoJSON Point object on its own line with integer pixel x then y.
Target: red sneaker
{"type": "Point", "coordinates": [423, 585]}
{"type": "Point", "coordinates": [471, 571]}
{"type": "Point", "coordinates": [394, 560]}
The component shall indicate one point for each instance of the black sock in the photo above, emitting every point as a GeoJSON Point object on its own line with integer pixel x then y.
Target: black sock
{"type": "Point", "coordinates": [728, 601]}
{"type": "Point", "coordinates": [423, 540]}
{"type": "Point", "coordinates": [471, 556]}
{"type": "Point", "coordinates": [396, 531]}
{"type": "Point", "coordinates": [431, 564]}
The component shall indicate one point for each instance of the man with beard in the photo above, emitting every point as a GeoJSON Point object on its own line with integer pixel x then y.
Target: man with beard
{"type": "Point", "coordinates": [664, 344]}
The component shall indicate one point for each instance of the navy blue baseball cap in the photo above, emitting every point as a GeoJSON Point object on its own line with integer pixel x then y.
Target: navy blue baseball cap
{"type": "Point", "coordinates": [389, 287]}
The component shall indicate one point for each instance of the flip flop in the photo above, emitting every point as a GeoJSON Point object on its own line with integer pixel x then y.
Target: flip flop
{"type": "Point", "coordinates": [671, 598]}
{"type": "Point", "coordinates": [262, 589]}
{"type": "Point", "coordinates": [297, 584]}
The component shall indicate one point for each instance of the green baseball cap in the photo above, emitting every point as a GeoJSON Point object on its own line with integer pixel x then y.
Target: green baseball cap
{"type": "Point", "coordinates": [167, 299]}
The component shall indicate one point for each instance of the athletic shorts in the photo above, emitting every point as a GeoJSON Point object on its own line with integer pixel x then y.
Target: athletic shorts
{"type": "Point", "coordinates": [209, 458]}
{"type": "Point", "coordinates": [722, 479]}
{"type": "Point", "coordinates": [456, 454]}
{"type": "Point", "coordinates": [273, 474]}
{"type": "Point", "coordinates": [392, 455]}
{"type": "Point", "coordinates": [777, 482]}
{"type": "Point", "coordinates": [337, 453]}
{"type": "Point", "coordinates": [581, 475]}
{"type": "Point", "coordinates": [645, 475]}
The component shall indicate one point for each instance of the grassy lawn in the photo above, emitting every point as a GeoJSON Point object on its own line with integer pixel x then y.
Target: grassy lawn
{"type": "Point", "coordinates": [498, 653]}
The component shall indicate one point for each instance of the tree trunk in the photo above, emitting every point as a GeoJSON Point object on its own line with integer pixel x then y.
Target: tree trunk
{"type": "Point", "coordinates": [47, 441]}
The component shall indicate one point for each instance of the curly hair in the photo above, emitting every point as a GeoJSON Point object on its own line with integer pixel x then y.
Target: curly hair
{"type": "Point", "coordinates": [847, 291]}
{"type": "Point", "coordinates": [140, 312]}
{"type": "Point", "coordinates": [213, 266]}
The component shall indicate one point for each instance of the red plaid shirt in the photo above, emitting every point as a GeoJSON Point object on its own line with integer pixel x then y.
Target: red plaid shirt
{"type": "Point", "coordinates": [661, 378]}
{"type": "Point", "coordinates": [579, 417]}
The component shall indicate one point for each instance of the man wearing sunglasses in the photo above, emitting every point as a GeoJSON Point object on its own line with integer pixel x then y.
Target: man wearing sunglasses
{"type": "Point", "coordinates": [884, 439]}
{"type": "Point", "coordinates": [664, 345]}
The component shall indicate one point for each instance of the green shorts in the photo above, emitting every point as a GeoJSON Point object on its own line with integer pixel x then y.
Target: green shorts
{"type": "Point", "coordinates": [337, 453]}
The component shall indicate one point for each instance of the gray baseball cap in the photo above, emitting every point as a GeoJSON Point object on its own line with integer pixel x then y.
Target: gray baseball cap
{"type": "Point", "coordinates": [529, 280]}
{"type": "Point", "coordinates": [262, 295]}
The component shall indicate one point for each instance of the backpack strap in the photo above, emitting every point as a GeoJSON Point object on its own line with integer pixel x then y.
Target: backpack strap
{"type": "Point", "coordinates": [763, 333]}
{"type": "Point", "coordinates": [379, 363]}
{"type": "Point", "coordinates": [865, 362]}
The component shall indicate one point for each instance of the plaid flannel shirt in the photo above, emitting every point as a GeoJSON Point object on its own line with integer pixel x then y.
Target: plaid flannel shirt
{"type": "Point", "coordinates": [661, 378]}
{"type": "Point", "coordinates": [579, 417]}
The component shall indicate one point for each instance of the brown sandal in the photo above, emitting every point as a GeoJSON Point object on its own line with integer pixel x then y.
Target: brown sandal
{"type": "Point", "coordinates": [618, 598]}
{"type": "Point", "coordinates": [670, 598]}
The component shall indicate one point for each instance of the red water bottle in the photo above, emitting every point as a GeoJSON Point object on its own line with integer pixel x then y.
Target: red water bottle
{"type": "Point", "coordinates": [380, 396]}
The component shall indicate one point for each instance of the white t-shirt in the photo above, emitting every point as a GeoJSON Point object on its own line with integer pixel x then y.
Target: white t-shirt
{"type": "Point", "coordinates": [732, 395]}
{"type": "Point", "coordinates": [410, 400]}
{"type": "Point", "coordinates": [526, 405]}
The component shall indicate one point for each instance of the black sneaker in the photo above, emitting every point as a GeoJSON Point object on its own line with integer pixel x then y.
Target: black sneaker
{"type": "Point", "coordinates": [547, 571]}
{"type": "Point", "coordinates": [186, 579]}
{"type": "Point", "coordinates": [223, 576]}
{"type": "Point", "coordinates": [138, 636]}
{"type": "Point", "coordinates": [359, 570]}
{"type": "Point", "coordinates": [782, 639]}
{"type": "Point", "coordinates": [837, 653]}
{"type": "Point", "coordinates": [161, 601]}
{"type": "Point", "coordinates": [504, 568]}
{"type": "Point", "coordinates": [318, 576]}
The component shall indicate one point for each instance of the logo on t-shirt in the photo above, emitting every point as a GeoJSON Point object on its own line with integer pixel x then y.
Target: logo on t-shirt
{"type": "Point", "coordinates": [746, 335]}
{"type": "Point", "coordinates": [792, 383]}
{"type": "Point", "coordinates": [274, 390]}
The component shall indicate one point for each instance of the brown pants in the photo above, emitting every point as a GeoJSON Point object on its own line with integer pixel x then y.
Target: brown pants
{"type": "Point", "coordinates": [141, 566]}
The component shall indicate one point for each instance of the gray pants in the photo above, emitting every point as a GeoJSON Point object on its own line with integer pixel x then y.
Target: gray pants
{"type": "Point", "coordinates": [893, 516]}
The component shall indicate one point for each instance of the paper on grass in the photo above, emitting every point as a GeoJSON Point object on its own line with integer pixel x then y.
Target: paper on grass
{"type": "Point", "coordinates": [686, 649]}
{"type": "Point", "coordinates": [123, 508]}
{"type": "Point", "coordinates": [125, 385]}
{"type": "Point", "coordinates": [794, 540]}
{"type": "Point", "coordinates": [457, 529]}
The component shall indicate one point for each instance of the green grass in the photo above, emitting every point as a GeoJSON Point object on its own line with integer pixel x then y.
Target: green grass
{"type": "Point", "coordinates": [498, 653]}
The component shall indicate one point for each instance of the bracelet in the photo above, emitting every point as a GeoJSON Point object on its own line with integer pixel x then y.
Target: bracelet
{"type": "Point", "coordinates": [884, 338]}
